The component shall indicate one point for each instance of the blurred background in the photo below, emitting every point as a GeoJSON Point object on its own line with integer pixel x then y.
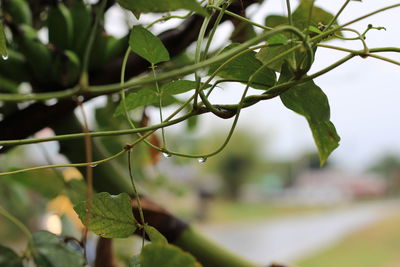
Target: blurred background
{"type": "Point", "coordinates": [265, 196]}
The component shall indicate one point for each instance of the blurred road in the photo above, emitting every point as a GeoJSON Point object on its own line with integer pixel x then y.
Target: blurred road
{"type": "Point", "coordinates": [290, 238]}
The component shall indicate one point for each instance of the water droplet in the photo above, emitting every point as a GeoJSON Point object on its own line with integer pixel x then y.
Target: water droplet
{"type": "Point", "coordinates": [202, 160]}
{"type": "Point", "coordinates": [51, 102]}
{"type": "Point", "coordinates": [167, 155]}
{"type": "Point", "coordinates": [1, 147]}
{"type": "Point", "coordinates": [5, 57]}
{"type": "Point", "coordinates": [93, 165]}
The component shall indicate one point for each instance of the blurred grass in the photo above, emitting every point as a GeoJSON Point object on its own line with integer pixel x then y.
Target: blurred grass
{"type": "Point", "coordinates": [375, 246]}
{"type": "Point", "coordinates": [225, 211]}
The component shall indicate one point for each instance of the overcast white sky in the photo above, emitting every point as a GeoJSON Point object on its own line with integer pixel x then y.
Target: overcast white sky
{"type": "Point", "coordinates": [363, 94]}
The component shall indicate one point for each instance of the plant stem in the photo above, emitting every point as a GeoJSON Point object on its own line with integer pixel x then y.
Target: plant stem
{"type": "Point", "coordinates": [229, 13]}
{"type": "Point", "coordinates": [165, 18]}
{"type": "Point", "coordinates": [164, 142]}
{"type": "Point", "coordinates": [137, 197]}
{"type": "Point", "coordinates": [289, 12]}
{"type": "Point", "coordinates": [65, 165]}
{"type": "Point", "coordinates": [197, 57]}
{"type": "Point", "coordinates": [337, 14]}
{"type": "Point", "coordinates": [207, 252]}
{"type": "Point", "coordinates": [123, 100]}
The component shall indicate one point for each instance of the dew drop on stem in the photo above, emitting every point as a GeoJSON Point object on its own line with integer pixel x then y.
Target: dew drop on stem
{"type": "Point", "coordinates": [202, 160]}
{"type": "Point", "coordinates": [1, 147]}
{"type": "Point", "coordinates": [5, 57]}
{"type": "Point", "coordinates": [166, 155]}
{"type": "Point", "coordinates": [93, 165]}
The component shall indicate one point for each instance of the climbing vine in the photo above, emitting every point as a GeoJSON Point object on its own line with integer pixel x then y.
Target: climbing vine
{"type": "Point", "coordinates": [78, 61]}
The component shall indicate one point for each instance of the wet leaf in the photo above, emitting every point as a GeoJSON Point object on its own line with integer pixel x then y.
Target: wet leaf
{"type": "Point", "coordinates": [243, 67]}
{"type": "Point", "coordinates": [110, 216]}
{"type": "Point", "coordinates": [147, 45]}
{"type": "Point", "coordinates": [308, 100]}
{"type": "Point", "coordinates": [51, 251]}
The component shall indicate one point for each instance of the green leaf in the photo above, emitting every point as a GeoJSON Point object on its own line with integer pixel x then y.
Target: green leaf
{"type": "Point", "coordinates": [143, 97]}
{"type": "Point", "coordinates": [146, 6]}
{"type": "Point", "coordinates": [166, 255]}
{"type": "Point", "coordinates": [9, 258]}
{"type": "Point", "coordinates": [301, 15]}
{"type": "Point", "coordinates": [110, 216]}
{"type": "Point", "coordinates": [154, 235]}
{"type": "Point", "coordinates": [179, 86]}
{"type": "Point", "coordinates": [308, 100]}
{"type": "Point", "coordinates": [275, 20]}
{"type": "Point", "coordinates": [277, 45]}
{"type": "Point", "coordinates": [325, 137]}
{"type": "Point", "coordinates": [3, 44]}
{"type": "Point", "coordinates": [148, 46]}
{"type": "Point", "coordinates": [50, 251]}
{"type": "Point", "coordinates": [242, 67]}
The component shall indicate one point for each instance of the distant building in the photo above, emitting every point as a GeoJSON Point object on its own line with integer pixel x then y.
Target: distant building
{"type": "Point", "coordinates": [327, 186]}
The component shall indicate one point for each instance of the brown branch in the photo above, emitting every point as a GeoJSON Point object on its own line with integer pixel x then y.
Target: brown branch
{"type": "Point", "coordinates": [105, 256]}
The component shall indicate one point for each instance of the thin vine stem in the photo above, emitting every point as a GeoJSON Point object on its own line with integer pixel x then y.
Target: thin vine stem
{"type": "Point", "coordinates": [123, 100]}
{"type": "Point", "coordinates": [165, 18]}
{"type": "Point", "coordinates": [362, 53]}
{"type": "Point", "coordinates": [197, 56]}
{"type": "Point", "coordinates": [213, 30]}
{"type": "Point", "coordinates": [289, 13]}
{"type": "Point", "coordinates": [311, 9]}
{"type": "Point", "coordinates": [360, 37]}
{"type": "Point", "coordinates": [337, 14]}
{"type": "Point", "coordinates": [159, 91]}
{"type": "Point", "coordinates": [234, 15]}
{"type": "Point", "coordinates": [94, 134]}
{"type": "Point", "coordinates": [65, 165]}
{"type": "Point", "coordinates": [137, 196]}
